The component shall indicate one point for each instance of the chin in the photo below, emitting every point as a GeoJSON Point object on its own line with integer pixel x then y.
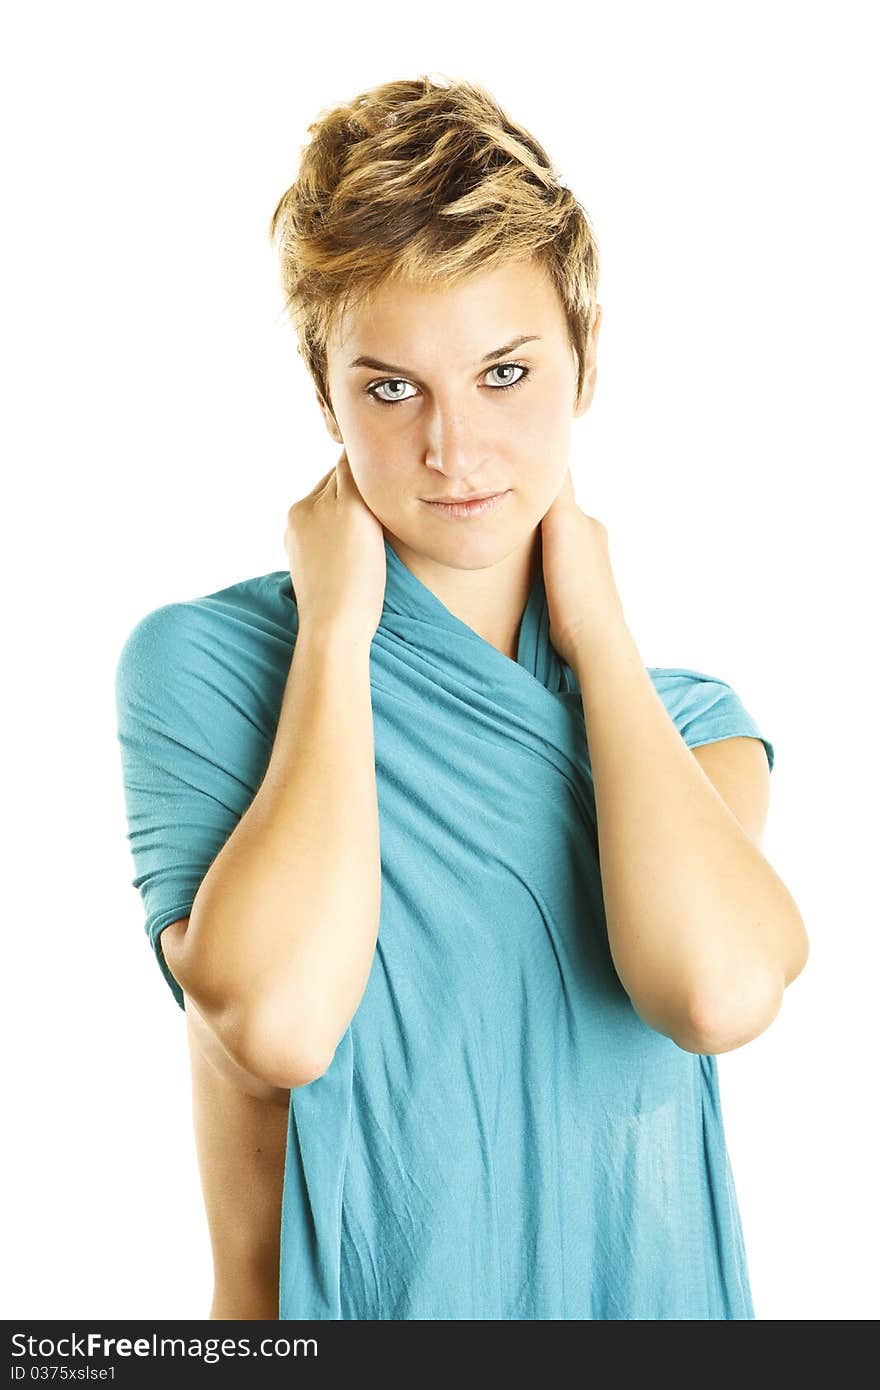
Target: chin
{"type": "Point", "coordinates": [468, 547]}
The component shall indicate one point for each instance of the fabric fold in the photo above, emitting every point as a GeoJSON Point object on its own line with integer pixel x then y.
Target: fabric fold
{"type": "Point", "coordinates": [498, 1134]}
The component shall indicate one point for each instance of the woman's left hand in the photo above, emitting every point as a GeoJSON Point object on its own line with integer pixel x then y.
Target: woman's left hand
{"type": "Point", "coordinates": [582, 596]}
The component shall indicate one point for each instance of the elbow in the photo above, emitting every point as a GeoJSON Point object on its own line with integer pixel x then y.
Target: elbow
{"type": "Point", "coordinates": [800, 951]}
{"type": "Point", "coordinates": [279, 1057]}
{"type": "Point", "coordinates": [731, 1017]}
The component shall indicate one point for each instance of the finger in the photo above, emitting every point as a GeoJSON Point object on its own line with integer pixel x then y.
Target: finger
{"type": "Point", "coordinates": [345, 483]}
{"type": "Point", "coordinates": [321, 483]}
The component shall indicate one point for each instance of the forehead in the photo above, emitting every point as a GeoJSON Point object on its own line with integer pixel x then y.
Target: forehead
{"type": "Point", "coordinates": [499, 304]}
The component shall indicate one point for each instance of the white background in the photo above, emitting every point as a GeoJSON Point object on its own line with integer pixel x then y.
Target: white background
{"type": "Point", "coordinates": [159, 423]}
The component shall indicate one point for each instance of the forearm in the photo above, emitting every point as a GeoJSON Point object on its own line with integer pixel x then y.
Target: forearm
{"type": "Point", "coordinates": [698, 921]}
{"type": "Point", "coordinates": [251, 1298]}
{"type": "Point", "coordinates": [284, 926]}
{"type": "Point", "coordinates": [253, 1294]}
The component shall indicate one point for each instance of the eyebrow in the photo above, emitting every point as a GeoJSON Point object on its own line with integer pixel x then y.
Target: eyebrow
{"type": "Point", "coordinates": [376, 365]}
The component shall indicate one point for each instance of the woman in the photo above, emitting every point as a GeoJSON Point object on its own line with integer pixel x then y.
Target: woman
{"type": "Point", "coordinates": [369, 797]}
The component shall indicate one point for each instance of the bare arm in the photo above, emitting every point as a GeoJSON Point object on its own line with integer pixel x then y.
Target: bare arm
{"type": "Point", "coordinates": [704, 934]}
{"type": "Point", "coordinates": [282, 933]}
{"type": "Point", "coordinates": [240, 1129]}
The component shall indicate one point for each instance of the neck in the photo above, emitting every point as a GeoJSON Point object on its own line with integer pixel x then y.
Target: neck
{"type": "Point", "coordinates": [491, 600]}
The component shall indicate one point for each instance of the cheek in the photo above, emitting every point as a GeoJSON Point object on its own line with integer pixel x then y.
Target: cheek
{"type": "Point", "coordinates": [381, 472]}
{"type": "Point", "coordinates": [539, 438]}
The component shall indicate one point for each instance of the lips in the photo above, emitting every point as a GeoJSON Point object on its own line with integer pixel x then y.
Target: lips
{"type": "Point", "coordinates": [471, 497]}
{"type": "Point", "coordinates": [468, 506]}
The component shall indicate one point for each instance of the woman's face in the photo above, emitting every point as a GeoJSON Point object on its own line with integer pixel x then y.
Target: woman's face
{"type": "Point", "coordinates": [439, 411]}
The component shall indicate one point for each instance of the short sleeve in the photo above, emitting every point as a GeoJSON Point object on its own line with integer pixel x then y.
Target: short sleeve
{"type": "Point", "coordinates": [705, 709]}
{"type": "Point", "coordinates": [192, 758]}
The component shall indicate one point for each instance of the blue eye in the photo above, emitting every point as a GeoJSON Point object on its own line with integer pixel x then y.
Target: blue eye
{"type": "Point", "coordinates": [390, 381]}
{"type": "Point", "coordinates": [505, 366]}
{"type": "Point", "coordinates": [398, 380]}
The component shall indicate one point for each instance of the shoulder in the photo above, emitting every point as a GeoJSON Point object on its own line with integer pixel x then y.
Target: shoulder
{"type": "Point", "coordinates": [683, 678]}
{"type": "Point", "coordinates": [684, 689]}
{"type": "Point", "coordinates": [188, 633]}
{"type": "Point", "coordinates": [209, 672]}
{"type": "Point", "coordinates": [706, 708]}
{"type": "Point", "coordinates": [686, 692]}
{"type": "Point", "coordinates": [263, 598]}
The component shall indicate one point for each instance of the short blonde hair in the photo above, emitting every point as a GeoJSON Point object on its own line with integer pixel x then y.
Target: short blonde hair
{"type": "Point", "coordinates": [431, 182]}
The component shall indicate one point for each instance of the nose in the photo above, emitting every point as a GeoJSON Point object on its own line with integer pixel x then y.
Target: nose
{"type": "Point", "coordinates": [451, 443]}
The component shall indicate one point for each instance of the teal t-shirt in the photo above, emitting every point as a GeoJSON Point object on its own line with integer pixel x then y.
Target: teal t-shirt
{"type": "Point", "coordinates": [499, 1135]}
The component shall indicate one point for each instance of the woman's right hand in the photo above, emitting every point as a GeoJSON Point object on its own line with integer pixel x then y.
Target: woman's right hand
{"type": "Point", "coordinates": [336, 551]}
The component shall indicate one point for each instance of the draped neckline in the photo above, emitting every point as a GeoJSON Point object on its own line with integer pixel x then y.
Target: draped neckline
{"type": "Point", "coordinates": [408, 596]}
